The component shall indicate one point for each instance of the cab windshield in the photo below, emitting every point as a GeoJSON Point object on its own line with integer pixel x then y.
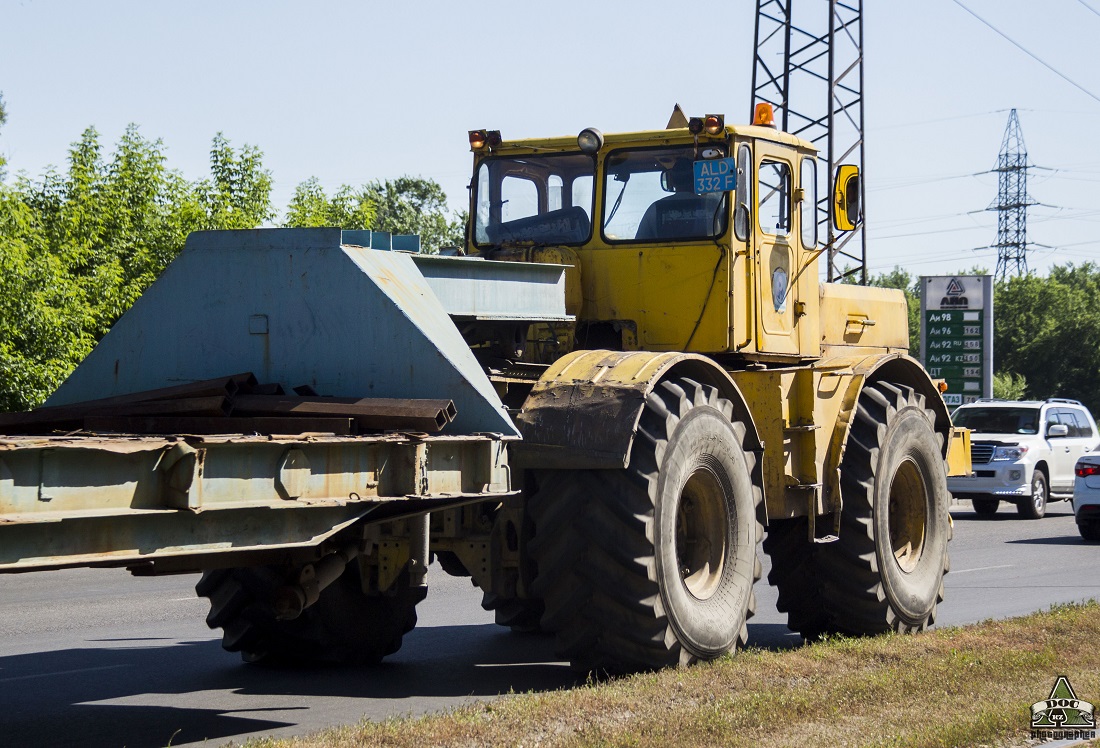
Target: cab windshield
{"type": "Point", "coordinates": [534, 200]}
{"type": "Point", "coordinates": [649, 196]}
{"type": "Point", "coordinates": [998, 420]}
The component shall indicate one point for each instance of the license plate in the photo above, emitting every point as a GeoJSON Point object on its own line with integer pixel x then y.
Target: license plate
{"type": "Point", "coordinates": [715, 175]}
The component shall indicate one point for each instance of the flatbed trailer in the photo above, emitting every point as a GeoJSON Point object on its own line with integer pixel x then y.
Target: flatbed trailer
{"type": "Point", "coordinates": [160, 504]}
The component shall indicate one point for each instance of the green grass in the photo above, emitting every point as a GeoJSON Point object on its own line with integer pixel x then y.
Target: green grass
{"type": "Point", "coordinates": [968, 686]}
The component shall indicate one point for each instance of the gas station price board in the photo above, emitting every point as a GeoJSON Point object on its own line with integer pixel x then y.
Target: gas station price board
{"type": "Point", "coordinates": [956, 335]}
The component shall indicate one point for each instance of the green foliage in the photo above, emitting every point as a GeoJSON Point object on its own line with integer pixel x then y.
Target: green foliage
{"type": "Point", "coordinates": [409, 205]}
{"type": "Point", "coordinates": [910, 284]}
{"type": "Point", "coordinates": [77, 248]}
{"type": "Point", "coordinates": [1009, 386]}
{"type": "Point", "coordinates": [348, 209]}
{"type": "Point", "coordinates": [1045, 329]}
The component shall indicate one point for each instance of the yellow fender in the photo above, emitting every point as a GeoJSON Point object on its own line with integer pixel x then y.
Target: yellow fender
{"type": "Point", "coordinates": [584, 411]}
{"type": "Point", "coordinates": [897, 368]}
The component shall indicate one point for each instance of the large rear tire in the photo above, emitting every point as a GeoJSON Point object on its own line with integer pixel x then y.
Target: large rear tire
{"type": "Point", "coordinates": [885, 573]}
{"type": "Point", "coordinates": [653, 565]}
{"type": "Point", "coordinates": [343, 626]}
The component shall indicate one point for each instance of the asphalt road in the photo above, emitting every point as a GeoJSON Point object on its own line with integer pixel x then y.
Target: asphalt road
{"type": "Point", "coordinates": [96, 658]}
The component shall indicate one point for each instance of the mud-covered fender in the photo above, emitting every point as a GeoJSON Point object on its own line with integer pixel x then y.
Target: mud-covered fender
{"type": "Point", "coordinates": [584, 411]}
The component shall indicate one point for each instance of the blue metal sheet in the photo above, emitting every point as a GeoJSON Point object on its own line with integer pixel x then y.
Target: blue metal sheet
{"type": "Point", "coordinates": [484, 289]}
{"type": "Point", "coordinates": [380, 240]}
{"type": "Point", "coordinates": [295, 307]}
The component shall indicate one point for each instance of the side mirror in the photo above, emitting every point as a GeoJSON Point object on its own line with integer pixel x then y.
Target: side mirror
{"type": "Point", "coordinates": [846, 205]}
{"type": "Point", "coordinates": [1057, 429]}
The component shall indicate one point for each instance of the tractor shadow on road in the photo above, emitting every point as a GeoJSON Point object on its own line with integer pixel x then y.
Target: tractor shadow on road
{"type": "Point", "coordinates": [141, 693]}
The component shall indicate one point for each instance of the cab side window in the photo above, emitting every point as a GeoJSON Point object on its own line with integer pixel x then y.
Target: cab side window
{"type": "Point", "coordinates": [808, 206]}
{"type": "Point", "coordinates": [744, 193]}
{"type": "Point", "coordinates": [775, 198]}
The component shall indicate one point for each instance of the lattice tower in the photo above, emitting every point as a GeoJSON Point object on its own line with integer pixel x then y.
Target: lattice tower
{"type": "Point", "coordinates": [1012, 202]}
{"type": "Point", "coordinates": [809, 67]}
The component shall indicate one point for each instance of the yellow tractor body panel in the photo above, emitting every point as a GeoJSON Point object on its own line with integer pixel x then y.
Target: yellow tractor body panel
{"type": "Point", "coordinates": [674, 298]}
{"type": "Point", "coordinates": [864, 317]}
{"type": "Point", "coordinates": [958, 452]}
{"type": "Point", "coordinates": [803, 416]}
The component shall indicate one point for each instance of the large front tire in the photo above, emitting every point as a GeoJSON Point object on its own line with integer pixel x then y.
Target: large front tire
{"type": "Point", "coordinates": [345, 626]}
{"type": "Point", "coordinates": [653, 566]}
{"type": "Point", "coordinates": [885, 572]}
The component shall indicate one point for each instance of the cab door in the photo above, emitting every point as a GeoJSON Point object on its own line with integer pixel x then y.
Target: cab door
{"type": "Point", "coordinates": [774, 242]}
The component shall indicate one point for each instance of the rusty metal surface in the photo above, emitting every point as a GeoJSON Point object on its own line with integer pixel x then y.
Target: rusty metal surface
{"type": "Point", "coordinates": [370, 413]}
{"type": "Point", "coordinates": [235, 425]}
{"type": "Point", "coordinates": [72, 416]}
{"type": "Point", "coordinates": [87, 501]}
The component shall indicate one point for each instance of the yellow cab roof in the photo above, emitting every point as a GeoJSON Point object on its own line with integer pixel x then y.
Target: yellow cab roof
{"type": "Point", "coordinates": [673, 136]}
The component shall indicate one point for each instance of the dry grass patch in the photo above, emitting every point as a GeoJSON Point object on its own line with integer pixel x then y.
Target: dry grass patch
{"type": "Point", "coordinates": [954, 687]}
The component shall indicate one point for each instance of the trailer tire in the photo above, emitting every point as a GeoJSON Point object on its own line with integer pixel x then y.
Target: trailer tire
{"type": "Point", "coordinates": [985, 507]}
{"type": "Point", "coordinates": [654, 565]}
{"type": "Point", "coordinates": [344, 626]}
{"type": "Point", "coordinates": [885, 572]}
{"type": "Point", "coordinates": [520, 615]}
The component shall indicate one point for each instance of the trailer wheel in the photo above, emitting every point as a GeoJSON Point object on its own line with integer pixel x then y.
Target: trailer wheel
{"type": "Point", "coordinates": [985, 507]}
{"type": "Point", "coordinates": [885, 573]}
{"type": "Point", "coordinates": [654, 565]}
{"type": "Point", "coordinates": [520, 615]}
{"type": "Point", "coordinates": [343, 626]}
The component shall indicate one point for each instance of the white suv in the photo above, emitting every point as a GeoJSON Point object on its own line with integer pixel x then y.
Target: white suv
{"type": "Point", "coordinates": [1022, 452]}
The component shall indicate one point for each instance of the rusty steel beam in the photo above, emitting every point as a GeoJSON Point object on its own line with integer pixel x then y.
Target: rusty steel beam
{"type": "Point", "coordinates": [68, 417]}
{"type": "Point", "coordinates": [209, 425]}
{"type": "Point", "coordinates": [369, 413]}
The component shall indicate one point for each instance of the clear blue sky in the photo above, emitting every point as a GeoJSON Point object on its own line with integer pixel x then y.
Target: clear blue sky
{"type": "Point", "coordinates": [353, 91]}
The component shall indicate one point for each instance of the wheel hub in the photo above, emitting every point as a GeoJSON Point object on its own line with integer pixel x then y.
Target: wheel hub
{"type": "Point", "coordinates": [908, 515]}
{"type": "Point", "coordinates": [702, 532]}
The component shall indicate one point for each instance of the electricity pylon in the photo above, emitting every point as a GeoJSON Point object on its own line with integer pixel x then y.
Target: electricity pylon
{"type": "Point", "coordinates": [1012, 202]}
{"type": "Point", "coordinates": [811, 72]}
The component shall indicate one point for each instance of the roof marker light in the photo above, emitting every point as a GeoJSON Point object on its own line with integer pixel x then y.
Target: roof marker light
{"type": "Point", "coordinates": [764, 115]}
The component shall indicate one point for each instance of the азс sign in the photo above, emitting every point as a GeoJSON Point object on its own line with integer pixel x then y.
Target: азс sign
{"type": "Point", "coordinates": [956, 336]}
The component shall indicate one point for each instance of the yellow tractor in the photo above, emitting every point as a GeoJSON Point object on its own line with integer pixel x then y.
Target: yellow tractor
{"type": "Point", "coordinates": [710, 393]}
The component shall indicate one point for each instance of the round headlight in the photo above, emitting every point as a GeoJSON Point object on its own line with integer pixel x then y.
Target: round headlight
{"type": "Point", "coordinates": [590, 140]}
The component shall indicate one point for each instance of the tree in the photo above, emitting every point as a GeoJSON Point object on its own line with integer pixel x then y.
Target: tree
{"type": "Point", "coordinates": [408, 205]}
{"type": "Point", "coordinates": [1009, 386]}
{"type": "Point", "coordinates": [348, 209]}
{"type": "Point", "coordinates": [1045, 330]}
{"type": "Point", "coordinates": [411, 205]}
{"type": "Point", "coordinates": [77, 248]}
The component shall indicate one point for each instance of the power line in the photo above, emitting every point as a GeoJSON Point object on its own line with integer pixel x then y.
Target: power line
{"type": "Point", "coordinates": [1030, 54]}
{"type": "Point", "coordinates": [1094, 10]}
